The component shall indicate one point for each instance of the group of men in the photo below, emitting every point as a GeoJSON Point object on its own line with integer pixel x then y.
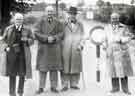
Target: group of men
{"type": "Point", "coordinates": [59, 49]}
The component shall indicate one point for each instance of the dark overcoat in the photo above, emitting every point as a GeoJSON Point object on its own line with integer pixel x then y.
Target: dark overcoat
{"type": "Point", "coordinates": [49, 55]}
{"type": "Point", "coordinates": [9, 36]}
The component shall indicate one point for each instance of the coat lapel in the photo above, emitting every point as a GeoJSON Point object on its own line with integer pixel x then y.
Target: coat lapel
{"type": "Point", "coordinates": [51, 26]}
{"type": "Point", "coordinates": [24, 32]}
{"type": "Point", "coordinates": [11, 35]}
{"type": "Point", "coordinates": [69, 27]}
{"type": "Point", "coordinates": [74, 28]}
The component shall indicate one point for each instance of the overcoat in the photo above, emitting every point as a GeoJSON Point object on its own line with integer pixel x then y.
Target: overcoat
{"type": "Point", "coordinates": [72, 57]}
{"type": "Point", "coordinates": [118, 58]}
{"type": "Point", "coordinates": [9, 35]}
{"type": "Point", "coordinates": [3, 56]}
{"type": "Point", "coordinates": [49, 54]}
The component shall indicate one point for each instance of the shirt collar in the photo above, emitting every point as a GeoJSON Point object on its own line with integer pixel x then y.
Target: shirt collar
{"type": "Point", "coordinates": [50, 19]}
{"type": "Point", "coordinates": [18, 27]}
{"type": "Point", "coordinates": [72, 22]}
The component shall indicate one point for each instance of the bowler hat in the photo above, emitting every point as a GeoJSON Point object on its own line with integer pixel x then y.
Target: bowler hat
{"type": "Point", "coordinates": [72, 10]}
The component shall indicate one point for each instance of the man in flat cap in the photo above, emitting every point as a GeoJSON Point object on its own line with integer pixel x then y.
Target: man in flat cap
{"type": "Point", "coordinates": [49, 33]}
{"type": "Point", "coordinates": [72, 46]}
{"type": "Point", "coordinates": [18, 38]}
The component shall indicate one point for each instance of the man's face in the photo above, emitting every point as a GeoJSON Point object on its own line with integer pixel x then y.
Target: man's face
{"type": "Point", "coordinates": [72, 16]}
{"type": "Point", "coordinates": [115, 19]}
{"type": "Point", "coordinates": [50, 13]}
{"type": "Point", "coordinates": [19, 21]}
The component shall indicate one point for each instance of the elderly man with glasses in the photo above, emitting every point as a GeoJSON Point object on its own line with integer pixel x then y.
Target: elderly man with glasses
{"type": "Point", "coordinates": [49, 33]}
{"type": "Point", "coordinates": [118, 58]}
{"type": "Point", "coordinates": [18, 38]}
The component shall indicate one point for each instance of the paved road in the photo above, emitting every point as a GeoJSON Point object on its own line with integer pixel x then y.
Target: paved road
{"type": "Point", "coordinates": [89, 86]}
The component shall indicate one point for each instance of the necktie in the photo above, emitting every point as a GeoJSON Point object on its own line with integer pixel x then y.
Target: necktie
{"type": "Point", "coordinates": [114, 27]}
{"type": "Point", "coordinates": [73, 21]}
{"type": "Point", "coordinates": [50, 19]}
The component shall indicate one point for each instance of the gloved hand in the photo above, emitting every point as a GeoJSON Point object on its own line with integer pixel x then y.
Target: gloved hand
{"type": "Point", "coordinates": [80, 48]}
{"type": "Point", "coordinates": [25, 39]}
{"type": "Point", "coordinates": [1, 38]}
{"type": "Point", "coordinates": [117, 39]}
{"type": "Point", "coordinates": [7, 49]}
{"type": "Point", "coordinates": [125, 39]}
{"type": "Point", "coordinates": [51, 39]}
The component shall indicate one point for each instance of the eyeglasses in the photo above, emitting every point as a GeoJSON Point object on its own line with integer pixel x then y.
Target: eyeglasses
{"type": "Point", "coordinates": [19, 19]}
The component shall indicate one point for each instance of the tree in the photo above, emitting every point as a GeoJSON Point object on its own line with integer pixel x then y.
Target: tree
{"type": "Point", "coordinates": [39, 7]}
{"type": "Point", "coordinates": [100, 3]}
{"type": "Point", "coordinates": [7, 6]}
{"type": "Point", "coordinates": [62, 6]}
{"type": "Point", "coordinates": [107, 11]}
{"type": "Point", "coordinates": [81, 3]}
{"type": "Point", "coordinates": [20, 7]}
{"type": "Point", "coordinates": [5, 12]}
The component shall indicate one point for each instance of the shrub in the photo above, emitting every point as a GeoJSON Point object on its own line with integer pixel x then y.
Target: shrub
{"type": "Point", "coordinates": [30, 20]}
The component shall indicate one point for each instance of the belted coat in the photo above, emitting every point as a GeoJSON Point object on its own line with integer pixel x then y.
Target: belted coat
{"type": "Point", "coordinates": [9, 37]}
{"type": "Point", "coordinates": [49, 55]}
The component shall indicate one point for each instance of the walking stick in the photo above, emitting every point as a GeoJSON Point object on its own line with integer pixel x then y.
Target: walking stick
{"type": "Point", "coordinates": [83, 79]}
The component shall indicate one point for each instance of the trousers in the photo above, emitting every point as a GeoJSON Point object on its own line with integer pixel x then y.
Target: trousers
{"type": "Point", "coordinates": [12, 84]}
{"type": "Point", "coordinates": [53, 79]}
{"type": "Point", "coordinates": [116, 85]}
{"type": "Point", "coordinates": [71, 80]}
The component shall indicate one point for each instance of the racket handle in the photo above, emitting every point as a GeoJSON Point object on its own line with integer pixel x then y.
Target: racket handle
{"type": "Point", "coordinates": [98, 75]}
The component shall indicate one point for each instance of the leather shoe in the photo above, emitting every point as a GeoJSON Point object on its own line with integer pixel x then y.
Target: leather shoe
{"type": "Point", "coordinates": [64, 89]}
{"type": "Point", "coordinates": [13, 94]}
{"type": "Point", "coordinates": [20, 94]}
{"type": "Point", "coordinates": [75, 87]}
{"type": "Point", "coordinates": [114, 91]}
{"type": "Point", "coordinates": [127, 92]}
{"type": "Point", "coordinates": [39, 91]}
{"type": "Point", "coordinates": [54, 90]}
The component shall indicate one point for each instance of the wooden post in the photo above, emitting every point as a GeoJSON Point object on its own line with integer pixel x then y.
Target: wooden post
{"type": "Point", "coordinates": [98, 65]}
{"type": "Point", "coordinates": [57, 13]}
{"type": "Point", "coordinates": [98, 51]}
{"type": "Point", "coordinates": [0, 14]}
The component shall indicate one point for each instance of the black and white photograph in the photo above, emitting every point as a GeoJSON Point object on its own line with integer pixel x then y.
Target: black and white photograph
{"type": "Point", "coordinates": [67, 47]}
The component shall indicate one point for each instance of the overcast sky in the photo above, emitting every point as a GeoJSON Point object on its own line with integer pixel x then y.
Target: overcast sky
{"type": "Point", "coordinates": [87, 2]}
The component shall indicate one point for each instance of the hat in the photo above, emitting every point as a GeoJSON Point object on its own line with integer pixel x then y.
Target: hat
{"type": "Point", "coordinates": [72, 10]}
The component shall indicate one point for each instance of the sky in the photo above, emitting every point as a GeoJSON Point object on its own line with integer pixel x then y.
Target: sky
{"type": "Point", "coordinates": [87, 2]}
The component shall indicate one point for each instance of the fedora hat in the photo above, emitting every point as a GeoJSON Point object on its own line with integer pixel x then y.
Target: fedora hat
{"type": "Point", "coordinates": [73, 10]}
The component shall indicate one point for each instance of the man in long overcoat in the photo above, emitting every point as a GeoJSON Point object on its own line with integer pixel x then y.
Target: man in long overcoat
{"type": "Point", "coordinates": [72, 45]}
{"type": "Point", "coordinates": [118, 59]}
{"type": "Point", "coordinates": [49, 33]}
{"type": "Point", "coordinates": [18, 39]}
